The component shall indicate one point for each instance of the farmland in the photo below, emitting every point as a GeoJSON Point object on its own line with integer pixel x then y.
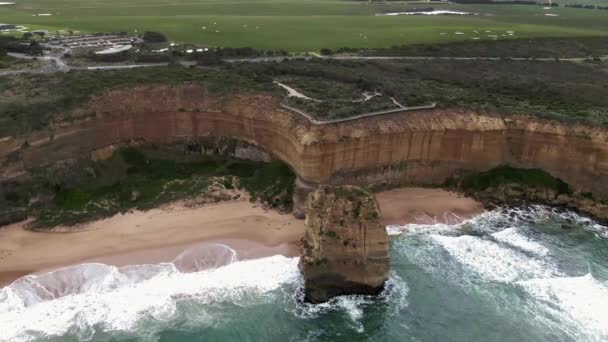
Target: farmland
{"type": "Point", "coordinates": [303, 25]}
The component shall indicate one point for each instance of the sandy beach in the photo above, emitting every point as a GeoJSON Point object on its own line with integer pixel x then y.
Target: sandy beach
{"type": "Point", "coordinates": [159, 235]}
{"type": "Point", "coordinates": [425, 206]}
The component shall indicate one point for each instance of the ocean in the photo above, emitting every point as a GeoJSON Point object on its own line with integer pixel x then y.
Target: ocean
{"type": "Point", "coordinates": [527, 274]}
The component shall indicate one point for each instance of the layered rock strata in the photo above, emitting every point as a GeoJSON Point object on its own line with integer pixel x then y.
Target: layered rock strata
{"type": "Point", "coordinates": [422, 148]}
{"type": "Point", "coordinates": [345, 248]}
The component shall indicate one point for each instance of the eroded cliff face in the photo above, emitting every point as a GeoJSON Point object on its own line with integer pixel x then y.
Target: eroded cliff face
{"type": "Point", "coordinates": [423, 147]}
{"type": "Point", "coordinates": [345, 248]}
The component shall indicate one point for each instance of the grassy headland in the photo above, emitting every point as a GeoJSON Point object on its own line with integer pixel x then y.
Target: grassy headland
{"type": "Point", "coordinates": [542, 89]}
{"type": "Point", "coordinates": [304, 25]}
{"type": "Point", "coordinates": [31, 102]}
{"type": "Point", "coordinates": [537, 88]}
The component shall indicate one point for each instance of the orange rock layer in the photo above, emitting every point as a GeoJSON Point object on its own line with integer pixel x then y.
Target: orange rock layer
{"type": "Point", "coordinates": [423, 147]}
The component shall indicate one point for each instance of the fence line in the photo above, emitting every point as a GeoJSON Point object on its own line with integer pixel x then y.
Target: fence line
{"type": "Point", "coordinates": [356, 117]}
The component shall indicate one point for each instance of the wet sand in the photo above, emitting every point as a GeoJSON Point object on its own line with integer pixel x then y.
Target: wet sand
{"type": "Point", "coordinates": [159, 235]}
{"type": "Point", "coordinates": [139, 235]}
{"type": "Point", "coordinates": [425, 206]}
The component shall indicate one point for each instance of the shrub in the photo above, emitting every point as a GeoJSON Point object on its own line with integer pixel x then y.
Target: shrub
{"type": "Point", "coordinates": [154, 37]}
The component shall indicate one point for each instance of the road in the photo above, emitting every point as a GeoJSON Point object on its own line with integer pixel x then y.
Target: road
{"type": "Point", "coordinates": [50, 64]}
{"type": "Point", "coordinates": [56, 64]}
{"type": "Point", "coordinates": [406, 58]}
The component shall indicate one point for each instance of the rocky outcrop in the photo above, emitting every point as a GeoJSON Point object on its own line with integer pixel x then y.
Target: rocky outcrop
{"type": "Point", "coordinates": [516, 195]}
{"type": "Point", "coordinates": [422, 148]}
{"type": "Point", "coordinates": [345, 248]}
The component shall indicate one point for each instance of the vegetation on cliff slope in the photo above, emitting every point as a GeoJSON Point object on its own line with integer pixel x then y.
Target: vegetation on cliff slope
{"type": "Point", "coordinates": [29, 102]}
{"type": "Point", "coordinates": [538, 88]}
{"type": "Point", "coordinates": [130, 179]}
{"type": "Point", "coordinates": [343, 88]}
{"type": "Point", "coordinates": [510, 186]}
{"type": "Point", "coordinates": [10, 63]}
{"type": "Point", "coordinates": [505, 175]}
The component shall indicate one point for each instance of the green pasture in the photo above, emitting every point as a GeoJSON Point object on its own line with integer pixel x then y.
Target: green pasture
{"type": "Point", "coordinates": [301, 25]}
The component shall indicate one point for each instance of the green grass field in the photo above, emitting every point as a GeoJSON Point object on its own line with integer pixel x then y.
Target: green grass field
{"type": "Point", "coordinates": [301, 25]}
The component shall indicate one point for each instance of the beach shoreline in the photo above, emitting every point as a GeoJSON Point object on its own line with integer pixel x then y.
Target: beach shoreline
{"type": "Point", "coordinates": [160, 234]}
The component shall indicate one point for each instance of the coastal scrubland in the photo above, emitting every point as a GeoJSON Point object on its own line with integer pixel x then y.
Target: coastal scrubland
{"type": "Point", "coordinates": [332, 89]}
{"type": "Point", "coordinates": [11, 63]}
{"type": "Point", "coordinates": [337, 89]}
{"type": "Point", "coordinates": [511, 87]}
{"type": "Point", "coordinates": [504, 174]}
{"type": "Point", "coordinates": [32, 102]}
{"type": "Point", "coordinates": [556, 48]}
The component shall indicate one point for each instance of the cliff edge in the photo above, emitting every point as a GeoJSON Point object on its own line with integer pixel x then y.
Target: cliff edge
{"type": "Point", "coordinates": [345, 248]}
{"type": "Point", "coordinates": [427, 147]}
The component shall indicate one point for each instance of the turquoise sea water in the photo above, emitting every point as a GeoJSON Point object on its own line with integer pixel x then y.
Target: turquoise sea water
{"type": "Point", "coordinates": [531, 274]}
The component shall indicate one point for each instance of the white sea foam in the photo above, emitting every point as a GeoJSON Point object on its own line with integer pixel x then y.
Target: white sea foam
{"type": "Point", "coordinates": [417, 229]}
{"type": "Point", "coordinates": [353, 306]}
{"type": "Point", "coordinates": [579, 301]}
{"type": "Point", "coordinates": [395, 295]}
{"type": "Point", "coordinates": [503, 253]}
{"type": "Point", "coordinates": [499, 219]}
{"type": "Point", "coordinates": [511, 237]}
{"type": "Point", "coordinates": [76, 299]}
{"type": "Point", "coordinates": [493, 262]}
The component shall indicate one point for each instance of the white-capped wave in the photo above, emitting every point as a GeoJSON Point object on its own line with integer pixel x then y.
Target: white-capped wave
{"type": "Point", "coordinates": [499, 250]}
{"type": "Point", "coordinates": [501, 218]}
{"type": "Point", "coordinates": [120, 299]}
{"type": "Point", "coordinates": [540, 214]}
{"type": "Point", "coordinates": [394, 295]}
{"type": "Point", "coordinates": [511, 237]}
{"type": "Point", "coordinates": [493, 262]}
{"type": "Point", "coordinates": [211, 256]}
{"type": "Point", "coordinates": [415, 228]}
{"type": "Point", "coordinates": [581, 302]}
{"type": "Point", "coordinates": [487, 221]}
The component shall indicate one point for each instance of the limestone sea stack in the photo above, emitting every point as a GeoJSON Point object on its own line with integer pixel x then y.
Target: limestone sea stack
{"type": "Point", "coordinates": [345, 249]}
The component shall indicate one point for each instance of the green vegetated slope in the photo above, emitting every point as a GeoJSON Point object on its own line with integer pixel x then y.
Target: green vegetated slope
{"type": "Point", "coordinates": [543, 89]}
{"type": "Point", "coordinates": [131, 179]}
{"type": "Point", "coordinates": [538, 88]}
{"type": "Point", "coordinates": [302, 25]}
{"type": "Point", "coordinates": [10, 63]}
{"type": "Point", "coordinates": [32, 101]}
{"type": "Point", "coordinates": [556, 48]}
{"type": "Point", "coordinates": [505, 175]}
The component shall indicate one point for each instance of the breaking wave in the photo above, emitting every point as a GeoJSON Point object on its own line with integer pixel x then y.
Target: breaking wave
{"type": "Point", "coordinates": [538, 269]}
{"type": "Point", "coordinates": [86, 298]}
{"type": "Point", "coordinates": [508, 251]}
{"type": "Point", "coordinates": [580, 301]}
{"type": "Point", "coordinates": [195, 290]}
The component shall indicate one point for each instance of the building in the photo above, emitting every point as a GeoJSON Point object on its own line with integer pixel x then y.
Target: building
{"type": "Point", "coordinates": [41, 32]}
{"type": "Point", "coordinates": [115, 49]}
{"type": "Point", "coordinates": [7, 27]}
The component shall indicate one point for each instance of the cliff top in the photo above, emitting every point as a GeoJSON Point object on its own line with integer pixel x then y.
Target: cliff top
{"type": "Point", "coordinates": [333, 89]}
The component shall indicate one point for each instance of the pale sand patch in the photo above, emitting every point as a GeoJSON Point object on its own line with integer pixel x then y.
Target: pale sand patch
{"type": "Point", "coordinates": [146, 231]}
{"type": "Point", "coordinates": [158, 235]}
{"type": "Point", "coordinates": [425, 206]}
